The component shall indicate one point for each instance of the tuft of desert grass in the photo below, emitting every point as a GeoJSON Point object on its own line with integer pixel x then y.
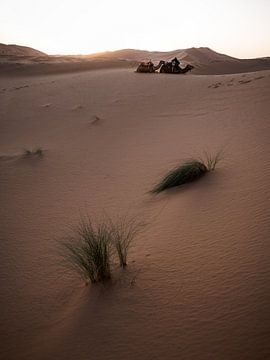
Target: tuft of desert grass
{"type": "Point", "coordinates": [33, 152]}
{"type": "Point", "coordinates": [88, 250]}
{"type": "Point", "coordinates": [91, 247]}
{"type": "Point", "coordinates": [123, 233]}
{"type": "Point", "coordinates": [187, 172]}
{"type": "Point", "coordinates": [211, 161]}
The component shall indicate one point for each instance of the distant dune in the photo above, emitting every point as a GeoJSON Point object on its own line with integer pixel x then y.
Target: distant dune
{"type": "Point", "coordinates": [205, 60]}
{"type": "Point", "coordinates": [15, 60]}
{"type": "Point", "coordinates": [198, 55]}
{"type": "Point", "coordinates": [17, 50]}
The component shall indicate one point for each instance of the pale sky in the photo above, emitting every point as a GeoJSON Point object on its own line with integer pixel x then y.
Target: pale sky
{"type": "Point", "coordinates": [238, 28]}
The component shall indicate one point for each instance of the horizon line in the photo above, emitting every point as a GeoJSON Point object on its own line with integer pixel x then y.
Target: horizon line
{"type": "Point", "coordinates": [132, 49]}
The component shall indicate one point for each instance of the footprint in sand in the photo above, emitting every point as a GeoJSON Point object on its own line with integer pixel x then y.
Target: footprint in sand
{"type": "Point", "coordinates": [230, 83]}
{"type": "Point", "coordinates": [95, 120]}
{"type": "Point", "coordinates": [46, 105]}
{"type": "Point", "coordinates": [244, 81]}
{"type": "Point", "coordinates": [258, 78]}
{"type": "Point", "coordinates": [77, 107]}
{"type": "Point", "coordinates": [20, 87]}
{"type": "Point", "coordinates": [216, 85]}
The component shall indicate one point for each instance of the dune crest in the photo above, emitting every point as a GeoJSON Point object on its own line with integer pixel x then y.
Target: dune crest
{"type": "Point", "coordinates": [19, 60]}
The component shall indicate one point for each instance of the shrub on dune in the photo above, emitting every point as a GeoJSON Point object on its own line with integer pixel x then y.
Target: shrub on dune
{"type": "Point", "coordinates": [187, 172]}
{"type": "Point", "coordinates": [212, 160]}
{"type": "Point", "coordinates": [34, 152]}
{"type": "Point", "coordinates": [88, 251]}
{"type": "Point", "coordinates": [92, 246]}
{"type": "Point", "coordinates": [124, 231]}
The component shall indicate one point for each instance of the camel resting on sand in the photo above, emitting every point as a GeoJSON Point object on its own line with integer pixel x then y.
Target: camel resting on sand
{"type": "Point", "coordinates": [149, 67]}
{"type": "Point", "coordinates": [168, 69]}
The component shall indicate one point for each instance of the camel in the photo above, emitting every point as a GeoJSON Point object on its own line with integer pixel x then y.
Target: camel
{"type": "Point", "coordinates": [149, 67]}
{"type": "Point", "coordinates": [167, 68]}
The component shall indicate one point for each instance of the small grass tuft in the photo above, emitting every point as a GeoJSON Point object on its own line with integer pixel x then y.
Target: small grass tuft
{"type": "Point", "coordinates": [89, 249]}
{"type": "Point", "coordinates": [124, 231]}
{"type": "Point", "coordinates": [34, 152]}
{"type": "Point", "coordinates": [211, 160]}
{"type": "Point", "coordinates": [189, 171]}
{"type": "Point", "coordinates": [91, 246]}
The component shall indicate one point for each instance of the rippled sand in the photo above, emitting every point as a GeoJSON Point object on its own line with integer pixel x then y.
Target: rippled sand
{"type": "Point", "coordinates": [196, 286]}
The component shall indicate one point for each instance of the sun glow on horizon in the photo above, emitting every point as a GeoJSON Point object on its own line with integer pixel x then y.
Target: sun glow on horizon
{"type": "Point", "coordinates": [238, 29]}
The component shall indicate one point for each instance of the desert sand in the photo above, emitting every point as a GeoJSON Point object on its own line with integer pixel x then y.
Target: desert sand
{"type": "Point", "coordinates": [196, 285]}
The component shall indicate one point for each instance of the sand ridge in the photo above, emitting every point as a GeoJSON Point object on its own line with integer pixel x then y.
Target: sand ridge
{"type": "Point", "coordinates": [23, 61]}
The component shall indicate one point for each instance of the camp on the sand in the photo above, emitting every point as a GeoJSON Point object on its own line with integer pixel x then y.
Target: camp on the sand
{"type": "Point", "coordinates": [165, 67]}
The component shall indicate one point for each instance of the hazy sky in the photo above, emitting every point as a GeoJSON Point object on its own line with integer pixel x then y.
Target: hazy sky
{"type": "Point", "coordinates": [239, 28]}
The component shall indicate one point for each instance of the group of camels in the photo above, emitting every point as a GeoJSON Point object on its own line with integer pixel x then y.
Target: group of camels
{"type": "Point", "coordinates": [164, 66]}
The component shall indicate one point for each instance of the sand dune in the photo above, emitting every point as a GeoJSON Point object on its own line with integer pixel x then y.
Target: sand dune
{"type": "Point", "coordinates": [26, 61]}
{"type": "Point", "coordinates": [199, 55]}
{"type": "Point", "coordinates": [205, 60]}
{"type": "Point", "coordinates": [196, 283]}
{"type": "Point", "coordinates": [17, 50]}
{"type": "Point", "coordinates": [57, 65]}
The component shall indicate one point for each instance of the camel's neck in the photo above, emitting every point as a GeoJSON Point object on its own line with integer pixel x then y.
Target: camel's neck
{"type": "Point", "coordinates": [158, 66]}
{"type": "Point", "coordinates": [186, 69]}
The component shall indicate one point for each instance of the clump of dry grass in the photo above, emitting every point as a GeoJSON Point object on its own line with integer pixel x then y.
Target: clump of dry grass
{"type": "Point", "coordinates": [33, 152]}
{"type": "Point", "coordinates": [123, 233]}
{"type": "Point", "coordinates": [187, 172]}
{"type": "Point", "coordinates": [211, 161]}
{"type": "Point", "coordinates": [90, 248]}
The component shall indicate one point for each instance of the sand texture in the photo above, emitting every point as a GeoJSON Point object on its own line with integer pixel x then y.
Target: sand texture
{"type": "Point", "coordinates": [197, 283]}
